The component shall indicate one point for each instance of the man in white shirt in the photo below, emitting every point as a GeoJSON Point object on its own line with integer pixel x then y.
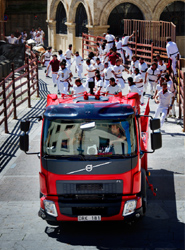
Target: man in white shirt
{"type": "Point", "coordinates": [118, 44]}
{"type": "Point", "coordinates": [12, 39]}
{"type": "Point", "coordinates": [153, 75]}
{"type": "Point", "coordinates": [142, 69]}
{"type": "Point", "coordinates": [99, 84]}
{"type": "Point", "coordinates": [110, 40]}
{"type": "Point", "coordinates": [134, 65]}
{"type": "Point", "coordinates": [79, 64]}
{"type": "Point", "coordinates": [172, 52]}
{"type": "Point", "coordinates": [68, 55]}
{"type": "Point", "coordinates": [63, 77]}
{"type": "Point", "coordinates": [99, 66]}
{"type": "Point", "coordinates": [165, 99]}
{"type": "Point", "coordinates": [125, 47]}
{"type": "Point", "coordinates": [117, 71]}
{"type": "Point", "coordinates": [47, 57]}
{"type": "Point", "coordinates": [113, 88]}
{"type": "Point", "coordinates": [78, 88]}
{"type": "Point", "coordinates": [138, 80]}
{"type": "Point", "coordinates": [107, 74]}
{"type": "Point", "coordinates": [90, 76]}
{"type": "Point", "coordinates": [132, 86]}
{"type": "Point", "coordinates": [170, 86]}
{"type": "Point", "coordinates": [61, 57]}
{"type": "Point", "coordinates": [38, 38]}
{"type": "Point", "coordinates": [162, 67]}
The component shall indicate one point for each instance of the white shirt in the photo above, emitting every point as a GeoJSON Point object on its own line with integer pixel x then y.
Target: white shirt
{"type": "Point", "coordinates": [24, 37]}
{"type": "Point", "coordinates": [109, 38]}
{"type": "Point", "coordinates": [63, 74]}
{"type": "Point", "coordinates": [108, 73]}
{"type": "Point", "coordinates": [162, 69]}
{"type": "Point", "coordinates": [134, 65]}
{"type": "Point", "coordinates": [170, 86]}
{"type": "Point", "coordinates": [90, 68]}
{"type": "Point", "coordinates": [113, 89]}
{"type": "Point", "coordinates": [99, 84]}
{"type": "Point", "coordinates": [68, 54]}
{"type": "Point", "coordinates": [158, 88]}
{"type": "Point", "coordinates": [32, 34]}
{"type": "Point", "coordinates": [119, 45]}
{"type": "Point", "coordinates": [153, 74]}
{"type": "Point", "coordinates": [118, 70]}
{"type": "Point", "coordinates": [61, 57]}
{"type": "Point", "coordinates": [164, 99]}
{"type": "Point", "coordinates": [125, 40]}
{"type": "Point", "coordinates": [11, 40]}
{"type": "Point", "coordinates": [47, 55]}
{"type": "Point", "coordinates": [134, 89]}
{"type": "Point", "coordinates": [99, 67]}
{"type": "Point", "coordinates": [38, 39]}
{"type": "Point", "coordinates": [171, 48]}
{"type": "Point", "coordinates": [79, 89]}
{"type": "Point", "coordinates": [137, 78]}
{"type": "Point", "coordinates": [78, 60]}
{"type": "Point", "coordinates": [143, 68]}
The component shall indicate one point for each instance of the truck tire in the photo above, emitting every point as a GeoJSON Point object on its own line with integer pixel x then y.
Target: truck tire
{"type": "Point", "coordinates": [143, 190]}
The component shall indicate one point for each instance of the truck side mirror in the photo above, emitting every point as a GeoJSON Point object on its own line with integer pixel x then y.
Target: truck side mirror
{"type": "Point", "coordinates": [24, 142]}
{"type": "Point", "coordinates": [155, 124]}
{"type": "Point", "coordinates": [25, 125]}
{"type": "Point", "coordinates": [156, 140]}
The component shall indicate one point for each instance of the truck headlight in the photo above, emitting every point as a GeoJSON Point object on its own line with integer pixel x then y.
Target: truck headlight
{"type": "Point", "coordinates": [50, 208]}
{"type": "Point", "coordinates": [129, 207]}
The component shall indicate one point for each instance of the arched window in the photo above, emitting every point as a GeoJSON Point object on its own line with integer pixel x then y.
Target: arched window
{"type": "Point", "coordinates": [61, 28]}
{"type": "Point", "coordinates": [120, 12]}
{"type": "Point", "coordinates": [81, 20]}
{"type": "Point", "coordinates": [175, 13]}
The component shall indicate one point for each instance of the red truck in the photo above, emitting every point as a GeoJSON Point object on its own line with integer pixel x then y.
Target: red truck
{"type": "Point", "coordinates": [93, 157]}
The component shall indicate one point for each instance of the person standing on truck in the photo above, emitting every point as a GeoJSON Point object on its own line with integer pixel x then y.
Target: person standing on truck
{"type": "Point", "coordinates": [165, 98]}
{"type": "Point", "coordinates": [125, 47]}
{"type": "Point", "coordinates": [63, 77]}
{"type": "Point", "coordinates": [54, 67]}
{"type": "Point", "coordinates": [107, 74]}
{"type": "Point", "coordinates": [172, 52]}
{"type": "Point", "coordinates": [113, 88]}
{"type": "Point", "coordinates": [99, 83]}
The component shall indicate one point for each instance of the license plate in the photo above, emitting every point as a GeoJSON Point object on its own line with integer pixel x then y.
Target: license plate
{"type": "Point", "coordinates": [89, 218]}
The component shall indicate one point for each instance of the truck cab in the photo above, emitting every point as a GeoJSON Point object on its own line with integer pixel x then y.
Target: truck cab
{"type": "Point", "coordinates": [93, 159]}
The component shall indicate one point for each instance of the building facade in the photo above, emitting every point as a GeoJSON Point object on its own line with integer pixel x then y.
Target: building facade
{"type": "Point", "coordinates": [67, 19]}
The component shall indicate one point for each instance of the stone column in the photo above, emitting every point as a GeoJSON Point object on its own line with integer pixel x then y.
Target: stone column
{"type": "Point", "coordinates": [52, 33]}
{"type": "Point", "coordinates": [71, 35]}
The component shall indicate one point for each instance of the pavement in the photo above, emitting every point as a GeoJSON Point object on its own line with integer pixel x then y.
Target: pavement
{"type": "Point", "coordinates": [21, 228]}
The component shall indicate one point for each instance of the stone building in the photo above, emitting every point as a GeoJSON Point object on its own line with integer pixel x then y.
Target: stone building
{"type": "Point", "coordinates": [67, 19]}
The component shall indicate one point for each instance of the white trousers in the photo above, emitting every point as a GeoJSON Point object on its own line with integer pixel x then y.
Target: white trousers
{"type": "Point", "coordinates": [163, 111]}
{"type": "Point", "coordinates": [54, 77]}
{"type": "Point", "coordinates": [63, 87]}
{"type": "Point", "coordinates": [68, 63]}
{"type": "Point", "coordinates": [79, 69]}
{"type": "Point", "coordinates": [141, 90]}
{"type": "Point", "coordinates": [152, 87]}
{"type": "Point", "coordinates": [128, 51]}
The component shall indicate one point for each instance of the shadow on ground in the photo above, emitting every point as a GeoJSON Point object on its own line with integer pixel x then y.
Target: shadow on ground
{"type": "Point", "coordinates": [11, 145]}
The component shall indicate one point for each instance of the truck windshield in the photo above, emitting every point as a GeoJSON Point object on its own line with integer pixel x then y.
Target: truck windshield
{"type": "Point", "coordinates": [105, 138]}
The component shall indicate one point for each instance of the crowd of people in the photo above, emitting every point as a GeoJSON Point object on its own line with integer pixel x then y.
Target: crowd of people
{"type": "Point", "coordinates": [37, 35]}
{"type": "Point", "coordinates": [103, 73]}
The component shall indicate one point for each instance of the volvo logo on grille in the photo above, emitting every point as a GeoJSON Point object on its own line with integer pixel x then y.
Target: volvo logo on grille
{"type": "Point", "coordinates": [89, 168]}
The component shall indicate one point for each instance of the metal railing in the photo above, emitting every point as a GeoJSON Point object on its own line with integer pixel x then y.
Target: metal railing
{"type": "Point", "coordinates": [17, 88]}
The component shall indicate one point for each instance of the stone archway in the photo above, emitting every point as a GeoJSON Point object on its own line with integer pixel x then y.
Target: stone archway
{"type": "Point", "coordinates": [53, 8]}
{"type": "Point", "coordinates": [109, 7]}
{"type": "Point", "coordinates": [121, 12]}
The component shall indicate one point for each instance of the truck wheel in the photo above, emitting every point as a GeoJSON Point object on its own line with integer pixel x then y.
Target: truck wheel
{"type": "Point", "coordinates": [143, 190]}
